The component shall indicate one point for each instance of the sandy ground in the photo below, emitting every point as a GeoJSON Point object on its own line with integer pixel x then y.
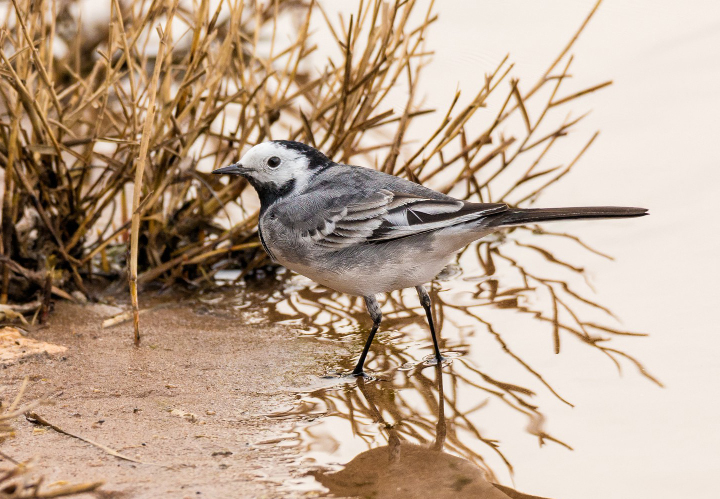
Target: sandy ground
{"type": "Point", "coordinates": [192, 400]}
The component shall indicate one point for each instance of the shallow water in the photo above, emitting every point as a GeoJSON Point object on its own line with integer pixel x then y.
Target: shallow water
{"type": "Point", "coordinates": [658, 149]}
{"type": "Point", "coordinates": [362, 436]}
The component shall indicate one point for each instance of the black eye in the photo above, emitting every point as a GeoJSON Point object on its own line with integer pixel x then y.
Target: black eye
{"type": "Point", "coordinates": [273, 162]}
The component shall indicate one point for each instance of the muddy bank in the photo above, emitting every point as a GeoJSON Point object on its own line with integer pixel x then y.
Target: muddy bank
{"type": "Point", "coordinates": [191, 401]}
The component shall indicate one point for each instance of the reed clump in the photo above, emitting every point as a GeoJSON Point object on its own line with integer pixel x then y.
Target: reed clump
{"type": "Point", "coordinates": [153, 97]}
{"type": "Point", "coordinates": [109, 130]}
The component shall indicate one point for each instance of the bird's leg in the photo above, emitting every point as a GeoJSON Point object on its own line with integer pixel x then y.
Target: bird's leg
{"type": "Point", "coordinates": [425, 301]}
{"type": "Point", "coordinates": [373, 308]}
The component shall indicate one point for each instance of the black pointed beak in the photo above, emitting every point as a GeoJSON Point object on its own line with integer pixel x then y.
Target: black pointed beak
{"type": "Point", "coordinates": [234, 169]}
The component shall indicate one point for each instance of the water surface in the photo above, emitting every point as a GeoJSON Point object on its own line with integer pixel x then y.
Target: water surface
{"type": "Point", "coordinates": [658, 148]}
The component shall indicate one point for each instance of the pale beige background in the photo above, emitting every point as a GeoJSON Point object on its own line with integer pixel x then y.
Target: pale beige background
{"type": "Point", "coordinates": [659, 148]}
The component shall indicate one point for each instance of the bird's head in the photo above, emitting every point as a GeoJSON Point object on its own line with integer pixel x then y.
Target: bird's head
{"type": "Point", "coordinates": [278, 168]}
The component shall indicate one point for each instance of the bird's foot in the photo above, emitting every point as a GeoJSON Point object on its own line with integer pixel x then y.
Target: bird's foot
{"type": "Point", "coordinates": [361, 374]}
{"type": "Point", "coordinates": [444, 359]}
{"type": "Point", "coordinates": [347, 377]}
{"type": "Point", "coordinates": [433, 360]}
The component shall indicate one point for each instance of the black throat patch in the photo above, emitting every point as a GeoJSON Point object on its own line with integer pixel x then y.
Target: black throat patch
{"type": "Point", "coordinates": [269, 193]}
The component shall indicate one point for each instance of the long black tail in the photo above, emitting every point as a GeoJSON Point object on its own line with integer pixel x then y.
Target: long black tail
{"type": "Point", "coordinates": [520, 216]}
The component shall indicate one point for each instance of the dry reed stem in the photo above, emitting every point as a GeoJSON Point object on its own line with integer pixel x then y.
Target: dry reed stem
{"type": "Point", "coordinates": [139, 170]}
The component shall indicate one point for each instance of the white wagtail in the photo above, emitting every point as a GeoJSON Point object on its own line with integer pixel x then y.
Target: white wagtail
{"type": "Point", "coordinates": [363, 232]}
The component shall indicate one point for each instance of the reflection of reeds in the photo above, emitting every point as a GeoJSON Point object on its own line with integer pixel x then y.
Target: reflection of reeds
{"type": "Point", "coordinates": [387, 356]}
{"type": "Point", "coordinates": [411, 430]}
{"type": "Point", "coordinates": [323, 311]}
{"type": "Point", "coordinates": [331, 316]}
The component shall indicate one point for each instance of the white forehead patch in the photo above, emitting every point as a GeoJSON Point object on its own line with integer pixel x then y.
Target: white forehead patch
{"type": "Point", "coordinates": [293, 165]}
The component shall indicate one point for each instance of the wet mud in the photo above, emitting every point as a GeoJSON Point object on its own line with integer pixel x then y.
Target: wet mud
{"type": "Point", "coordinates": [188, 405]}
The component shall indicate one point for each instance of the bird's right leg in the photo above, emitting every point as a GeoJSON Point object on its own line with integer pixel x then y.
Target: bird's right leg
{"type": "Point", "coordinates": [373, 308]}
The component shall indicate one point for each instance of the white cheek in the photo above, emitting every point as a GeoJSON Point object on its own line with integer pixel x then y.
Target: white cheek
{"type": "Point", "coordinates": [278, 177]}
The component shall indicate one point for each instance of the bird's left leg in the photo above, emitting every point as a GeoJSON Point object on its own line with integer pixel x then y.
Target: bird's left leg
{"type": "Point", "coordinates": [425, 301]}
{"type": "Point", "coordinates": [373, 308]}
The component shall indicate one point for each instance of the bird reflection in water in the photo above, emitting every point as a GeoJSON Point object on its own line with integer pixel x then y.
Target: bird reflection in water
{"type": "Point", "coordinates": [410, 470]}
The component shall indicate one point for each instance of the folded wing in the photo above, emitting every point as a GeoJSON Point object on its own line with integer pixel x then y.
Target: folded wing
{"type": "Point", "coordinates": [387, 215]}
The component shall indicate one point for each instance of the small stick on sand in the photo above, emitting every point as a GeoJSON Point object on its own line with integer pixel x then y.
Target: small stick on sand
{"type": "Point", "coordinates": [35, 418]}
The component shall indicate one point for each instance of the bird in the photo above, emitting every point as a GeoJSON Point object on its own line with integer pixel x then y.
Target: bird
{"type": "Point", "coordinates": [363, 232]}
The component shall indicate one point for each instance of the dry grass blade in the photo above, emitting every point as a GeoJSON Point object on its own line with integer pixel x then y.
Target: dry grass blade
{"type": "Point", "coordinates": [140, 169]}
{"type": "Point", "coordinates": [14, 480]}
{"type": "Point", "coordinates": [39, 420]}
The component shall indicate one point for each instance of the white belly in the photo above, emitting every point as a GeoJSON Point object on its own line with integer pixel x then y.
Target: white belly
{"type": "Point", "coordinates": [382, 278]}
